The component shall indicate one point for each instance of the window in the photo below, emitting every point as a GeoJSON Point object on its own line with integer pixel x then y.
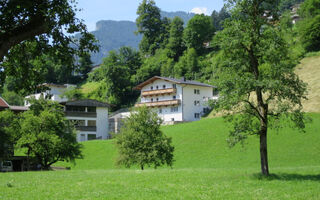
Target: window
{"type": "Point", "coordinates": [197, 103]}
{"type": "Point", "coordinates": [157, 87]}
{"type": "Point", "coordinates": [196, 91]}
{"type": "Point", "coordinates": [157, 99]}
{"type": "Point", "coordinates": [174, 86]}
{"type": "Point", "coordinates": [174, 109]}
{"type": "Point", "coordinates": [92, 123]}
{"type": "Point", "coordinates": [151, 87]}
{"type": "Point", "coordinates": [164, 86]}
{"type": "Point", "coordinates": [92, 136]}
{"type": "Point", "coordinates": [196, 115]}
{"type": "Point", "coordinates": [215, 92]}
{"type": "Point", "coordinates": [151, 99]}
{"type": "Point", "coordinates": [206, 110]}
{"type": "Point", "coordinates": [160, 110]}
{"type": "Point", "coordinates": [92, 109]}
{"type": "Point", "coordinates": [172, 119]}
{"type": "Point", "coordinates": [174, 97]}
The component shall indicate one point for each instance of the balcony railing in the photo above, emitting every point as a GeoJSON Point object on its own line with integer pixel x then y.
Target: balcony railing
{"type": "Point", "coordinates": [87, 128]}
{"type": "Point", "coordinates": [80, 114]}
{"type": "Point", "coordinates": [159, 92]}
{"type": "Point", "coordinates": [159, 103]}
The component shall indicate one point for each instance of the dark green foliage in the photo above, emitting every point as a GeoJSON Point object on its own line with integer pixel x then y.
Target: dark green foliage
{"type": "Point", "coordinates": [9, 133]}
{"type": "Point", "coordinates": [73, 93]}
{"type": "Point", "coordinates": [142, 143]}
{"type": "Point", "coordinates": [175, 45]}
{"type": "Point", "coordinates": [85, 66]}
{"type": "Point", "coordinates": [310, 8]}
{"type": "Point", "coordinates": [188, 65]}
{"type": "Point", "coordinates": [199, 30]}
{"type": "Point", "coordinates": [47, 135]}
{"type": "Point", "coordinates": [219, 17]}
{"type": "Point", "coordinates": [310, 34]}
{"type": "Point", "coordinates": [115, 76]}
{"type": "Point", "coordinates": [33, 28]}
{"type": "Point", "coordinates": [151, 26]}
{"type": "Point", "coordinates": [256, 75]}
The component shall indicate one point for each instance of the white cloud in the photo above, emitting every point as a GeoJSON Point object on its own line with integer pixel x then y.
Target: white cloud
{"type": "Point", "coordinates": [200, 10]}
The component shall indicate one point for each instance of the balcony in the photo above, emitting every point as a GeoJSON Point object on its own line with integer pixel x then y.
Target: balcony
{"type": "Point", "coordinates": [87, 128]}
{"type": "Point", "coordinates": [159, 103]}
{"type": "Point", "coordinates": [159, 92]}
{"type": "Point", "coordinates": [80, 114]}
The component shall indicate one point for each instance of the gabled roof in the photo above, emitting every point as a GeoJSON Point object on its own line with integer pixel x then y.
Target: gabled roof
{"type": "Point", "coordinates": [3, 103]}
{"type": "Point", "coordinates": [86, 102]}
{"type": "Point", "coordinates": [173, 80]}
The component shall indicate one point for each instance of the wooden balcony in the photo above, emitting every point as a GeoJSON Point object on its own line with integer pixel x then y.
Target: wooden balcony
{"type": "Point", "coordinates": [159, 92]}
{"type": "Point", "coordinates": [159, 103]}
{"type": "Point", "coordinates": [80, 114]}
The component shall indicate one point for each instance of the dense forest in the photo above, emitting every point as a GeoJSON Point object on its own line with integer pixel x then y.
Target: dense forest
{"type": "Point", "coordinates": [168, 47]}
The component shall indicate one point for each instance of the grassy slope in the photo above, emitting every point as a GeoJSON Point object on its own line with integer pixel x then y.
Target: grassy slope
{"type": "Point", "coordinates": [205, 168]}
{"type": "Point", "coordinates": [203, 144]}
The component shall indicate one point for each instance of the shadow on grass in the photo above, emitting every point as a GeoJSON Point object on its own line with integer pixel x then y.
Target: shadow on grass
{"type": "Point", "coordinates": [287, 177]}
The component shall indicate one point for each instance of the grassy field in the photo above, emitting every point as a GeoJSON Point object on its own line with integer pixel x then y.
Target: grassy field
{"type": "Point", "coordinates": [205, 168]}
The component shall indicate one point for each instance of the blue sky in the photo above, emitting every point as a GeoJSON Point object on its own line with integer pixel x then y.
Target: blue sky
{"type": "Point", "coordinates": [95, 10]}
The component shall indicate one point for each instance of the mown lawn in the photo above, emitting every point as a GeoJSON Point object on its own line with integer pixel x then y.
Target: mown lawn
{"type": "Point", "coordinates": [205, 168]}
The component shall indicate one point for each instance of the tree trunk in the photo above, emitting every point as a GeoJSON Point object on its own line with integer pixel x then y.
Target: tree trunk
{"type": "Point", "coordinates": [264, 151]}
{"type": "Point", "coordinates": [141, 167]}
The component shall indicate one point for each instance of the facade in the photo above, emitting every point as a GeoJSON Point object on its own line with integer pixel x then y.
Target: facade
{"type": "Point", "coordinates": [16, 109]}
{"type": "Point", "coordinates": [90, 118]}
{"type": "Point", "coordinates": [53, 92]}
{"type": "Point", "coordinates": [176, 100]}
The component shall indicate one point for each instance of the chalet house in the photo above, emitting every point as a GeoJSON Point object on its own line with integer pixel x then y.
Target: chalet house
{"type": "Point", "coordinates": [176, 100]}
{"type": "Point", "coordinates": [90, 118]}
{"type": "Point", "coordinates": [52, 92]}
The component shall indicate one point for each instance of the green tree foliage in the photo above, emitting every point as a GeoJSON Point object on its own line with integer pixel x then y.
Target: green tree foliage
{"type": "Point", "coordinates": [9, 133]}
{"type": "Point", "coordinates": [30, 29]}
{"type": "Point", "coordinates": [151, 26]}
{"type": "Point", "coordinates": [47, 135]}
{"type": "Point", "coordinates": [175, 45]}
{"type": "Point", "coordinates": [310, 34]}
{"type": "Point", "coordinates": [198, 31]}
{"type": "Point", "coordinates": [188, 65]}
{"type": "Point", "coordinates": [85, 66]}
{"type": "Point", "coordinates": [73, 93]}
{"type": "Point", "coordinates": [310, 8]}
{"type": "Point", "coordinates": [256, 76]}
{"type": "Point", "coordinates": [287, 4]}
{"type": "Point", "coordinates": [115, 75]}
{"type": "Point", "coordinates": [141, 141]}
{"type": "Point", "coordinates": [219, 17]}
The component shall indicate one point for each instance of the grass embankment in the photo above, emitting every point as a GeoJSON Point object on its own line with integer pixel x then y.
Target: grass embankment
{"type": "Point", "coordinates": [205, 168]}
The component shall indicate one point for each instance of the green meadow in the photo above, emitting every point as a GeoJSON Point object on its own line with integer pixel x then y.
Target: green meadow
{"type": "Point", "coordinates": [205, 168]}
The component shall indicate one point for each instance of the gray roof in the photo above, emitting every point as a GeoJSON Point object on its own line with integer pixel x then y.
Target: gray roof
{"type": "Point", "coordinates": [86, 102]}
{"type": "Point", "coordinates": [178, 81]}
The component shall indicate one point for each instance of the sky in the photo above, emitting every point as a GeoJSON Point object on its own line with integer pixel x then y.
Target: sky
{"type": "Point", "coordinates": [95, 10]}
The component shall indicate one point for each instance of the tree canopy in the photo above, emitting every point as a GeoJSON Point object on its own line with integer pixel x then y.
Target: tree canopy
{"type": "Point", "coordinates": [30, 29]}
{"type": "Point", "coordinates": [256, 75]}
{"type": "Point", "coordinates": [142, 143]}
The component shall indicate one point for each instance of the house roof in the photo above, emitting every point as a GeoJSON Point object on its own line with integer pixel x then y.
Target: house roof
{"type": "Point", "coordinates": [86, 102]}
{"type": "Point", "coordinates": [173, 80]}
{"type": "Point", "coordinates": [3, 103]}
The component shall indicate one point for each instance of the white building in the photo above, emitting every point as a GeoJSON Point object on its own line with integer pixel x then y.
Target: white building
{"type": "Point", "coordinates": [52, 92]}
{"type": "Point", "coordinates": [90, 118]}
{"type": "Point", "coordinates": [176, 100]}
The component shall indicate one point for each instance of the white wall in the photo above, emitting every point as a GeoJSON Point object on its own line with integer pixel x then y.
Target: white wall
{"type": "Point", "coordinates": [102, 122]}
{"type": "Point", "coordinates": [189, 109]}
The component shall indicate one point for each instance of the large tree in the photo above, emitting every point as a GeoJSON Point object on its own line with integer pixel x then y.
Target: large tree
{"type": "Point", "coordinates": [141, 142]}
{"type": "Point", "coordinates": [9, 133]}
{"type": "Point", "coordinates": [47, 135]}
{"type": "Point", "coordinates": [256, 76]}
{"type": "Point", "coordinates": [32, 28]}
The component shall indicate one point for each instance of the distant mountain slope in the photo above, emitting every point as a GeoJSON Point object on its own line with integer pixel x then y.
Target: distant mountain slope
{"type": "Point", "coordinates": [114, 34]}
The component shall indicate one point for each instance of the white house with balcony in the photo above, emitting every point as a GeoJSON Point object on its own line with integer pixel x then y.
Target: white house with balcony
{"type": "Point", "coordinates": [52, 92]}
{"type": "Point", "coordinates": [176, 100]}
{"type": "Point", "coordinates": [90, 118]}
